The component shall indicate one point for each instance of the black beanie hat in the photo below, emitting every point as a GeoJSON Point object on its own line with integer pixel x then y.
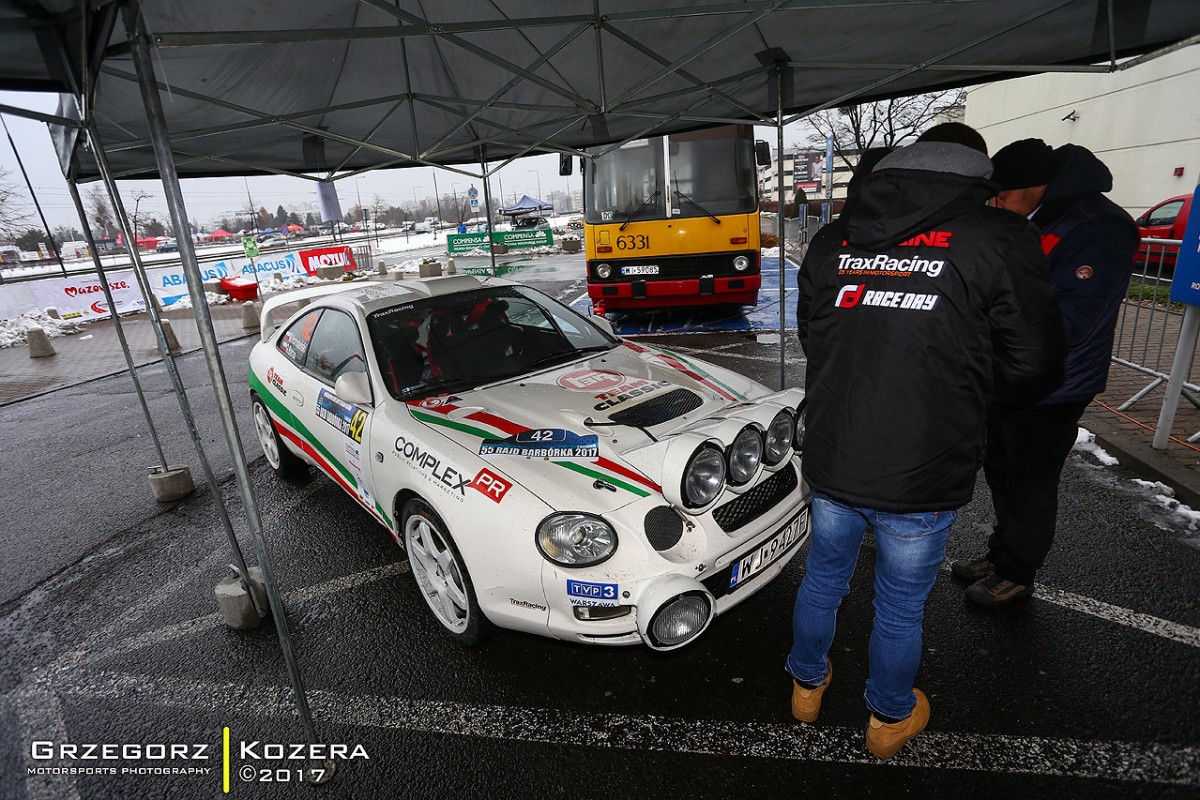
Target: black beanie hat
{"type": "Point", "coordinates": [1024, 163]}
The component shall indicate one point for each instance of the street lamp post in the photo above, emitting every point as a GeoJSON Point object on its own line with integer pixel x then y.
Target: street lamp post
{"type": "Point", "coordinates": [457, 208]}
{"type": "Point", "coordinates": [539, 182]}
{"type": "Point", "coordinates": [362, 212]}
{"type": "Point", "coordinates": [416, 205]}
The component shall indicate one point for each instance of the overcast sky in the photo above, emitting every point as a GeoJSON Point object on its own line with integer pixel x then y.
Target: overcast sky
{"type": "Point", "coordinates": [207, 198]}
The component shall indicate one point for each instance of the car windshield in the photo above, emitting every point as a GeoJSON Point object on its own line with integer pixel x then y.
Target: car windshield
{"type": "Point", "coordinates": [460, 341]}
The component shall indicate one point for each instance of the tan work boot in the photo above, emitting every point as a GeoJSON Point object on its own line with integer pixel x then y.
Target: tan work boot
{"type": "Point", "coordinates": [884, 739]}
{"type": "Point", "coordinates": [806, 703]}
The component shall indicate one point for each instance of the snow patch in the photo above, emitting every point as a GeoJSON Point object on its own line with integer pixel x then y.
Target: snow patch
{"type": "Point", "coordinates": [15, 331]}
{"type": "Point", "coordinates": [770, 252]}
{"type": "Point", "coordinates": [1085, 442]}
{"type": "Point", "coordinates": [213, 299]}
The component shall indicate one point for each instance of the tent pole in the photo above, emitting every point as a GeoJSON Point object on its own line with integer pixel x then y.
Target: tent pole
{"type": "Point", "coordinates": [140, 52]}
{"type": "Point", "coordinates": [116, 318]}
{"type": "Point", "coordinates": [185, 406]}
{"type": "Point", "coordinates": [487, 202]}
{"type": "Point", "coordinates": [782, 225]}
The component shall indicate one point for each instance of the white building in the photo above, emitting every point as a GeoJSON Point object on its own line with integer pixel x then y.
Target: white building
{"type": "Point", "coordinates": [1144, 123]}
{"type": "Point", "coordinates": [811, 176]}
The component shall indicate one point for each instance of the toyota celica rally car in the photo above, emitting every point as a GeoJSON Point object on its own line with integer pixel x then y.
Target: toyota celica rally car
{"type": "Point", "coordinates": [542, 474]}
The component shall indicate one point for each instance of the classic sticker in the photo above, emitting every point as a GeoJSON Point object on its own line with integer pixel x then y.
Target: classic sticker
{"type": "Point", "coordinates": [276, 381]}
{"type": "Point", "coordinates": [583, 593]}
{"type": "Point", "coordinates": [549, 443]}
{"type": "Point", "coordinates": [637, 388]}
{"type": "Point", "coordinates": [346, 417]}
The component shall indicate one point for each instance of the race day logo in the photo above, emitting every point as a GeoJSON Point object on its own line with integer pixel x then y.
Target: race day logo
{"type": "Point", "coordinates": [547, 443]}
{"type": "Point", "coordinates": [349, 419]}
{"type": "Point", "coordinates": [591, 380]}
{"type": "Point", "coordinates": [852, 295]}
{"type": "Point", "coordinates": [885, 265]}
{"type": "Point", "coordinates": [445, 477]}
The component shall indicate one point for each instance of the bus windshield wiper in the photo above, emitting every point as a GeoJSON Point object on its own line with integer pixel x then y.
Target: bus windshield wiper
{"type": "Point", "coordinates": [638, 210]}
{"type": "Point", "coordinates": [711, 215]}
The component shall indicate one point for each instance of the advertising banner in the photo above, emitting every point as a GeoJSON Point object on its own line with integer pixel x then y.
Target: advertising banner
{"type": "Point", "coordinates": [341, 256]}
{"type": "Point", "coordinates": [169, 283]}
{"type": "Point", "coordinates": [82, 297]}
{"type": "Point", "coordinates": [466, 242]}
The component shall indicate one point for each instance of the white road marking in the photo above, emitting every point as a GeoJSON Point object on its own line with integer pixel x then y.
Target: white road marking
{"type": "Point", "coordinates": [1074, 758]}
{"type": "Point", "coordinates": [39, 717]}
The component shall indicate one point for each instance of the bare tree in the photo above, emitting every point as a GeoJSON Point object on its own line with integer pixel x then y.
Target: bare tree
{"type": "Point", "coordinates": [138, 196]}
{"type": "Point", "coordinates": [886, 123]}
{"type": "Point", "coordinates": [14, 218]}
{"type": "Point", "coordinates": [102, 214]}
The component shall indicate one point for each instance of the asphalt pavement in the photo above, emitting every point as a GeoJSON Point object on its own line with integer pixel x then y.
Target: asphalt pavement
{"type": "Point", "coordinates": [109, 634]}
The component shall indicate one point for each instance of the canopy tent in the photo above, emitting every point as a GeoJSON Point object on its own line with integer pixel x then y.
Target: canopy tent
{"type": "Point", "coordinates": [295, 87]}
{"type": "Point", "coordinates": [526, 205]}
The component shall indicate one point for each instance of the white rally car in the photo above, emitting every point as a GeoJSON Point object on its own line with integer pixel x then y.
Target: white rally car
{"type": "Point", "coordinates": [542, 474]}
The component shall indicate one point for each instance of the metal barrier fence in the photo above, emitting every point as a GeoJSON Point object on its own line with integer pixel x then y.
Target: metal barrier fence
{"type": "Point", "coordinates": [1148, 329]}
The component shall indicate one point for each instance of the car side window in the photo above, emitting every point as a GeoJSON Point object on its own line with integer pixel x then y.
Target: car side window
{"type": "Point", "coordinates": [295, 340]}
{"type": "Point", "coordinates": [336, 347]}
{"type": "Point", "coordinates": [1165, 214]}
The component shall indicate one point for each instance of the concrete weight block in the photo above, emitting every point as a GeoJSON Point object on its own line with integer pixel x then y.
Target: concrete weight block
{"type": "Point", "coordinates": [451, 269]}
{"type": "Point", "coordinates": [330, 273]}
{"type": "Point", "coordinates": [39, 343]}
{"type": "Point", "coordinates": [172, 340]}
{"type": "Point", "coordinates": [236, 607]}
{"type": "Point", "coordinates": [52, 313]}
{"type": "Point", "coordinates": [381, 269]}
{"type": "Point", "coordinates": [250, 318]}
{"type": "Point", "coordinates": [173, 483]}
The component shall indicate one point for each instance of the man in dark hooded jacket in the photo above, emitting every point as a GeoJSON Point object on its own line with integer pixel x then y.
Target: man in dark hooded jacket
{"type": "Point", "coordinates": [1089, 243]}
{"type": "Point", "coordinates": [907, 305]}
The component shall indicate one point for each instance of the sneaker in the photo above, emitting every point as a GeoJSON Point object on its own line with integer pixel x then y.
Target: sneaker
{"type": "Point", "coordinates": [972, 569]}
{"type": "Point", "coordinates": [996, 591]}
{"type": "Point", "coordinates": [884, 738]}
{"type": "Point", "coordinates": [806, 703]}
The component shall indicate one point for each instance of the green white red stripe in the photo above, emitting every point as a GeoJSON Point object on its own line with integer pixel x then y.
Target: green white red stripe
{"type": "Point", "coordinates": [685, 367]}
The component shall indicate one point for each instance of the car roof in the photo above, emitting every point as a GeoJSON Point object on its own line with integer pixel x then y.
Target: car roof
{"type": "Point", "coordinates": [368, 297]}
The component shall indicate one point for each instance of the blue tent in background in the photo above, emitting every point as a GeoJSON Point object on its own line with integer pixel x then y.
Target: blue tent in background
{"type": "Point", "coordinates": [526, 205]}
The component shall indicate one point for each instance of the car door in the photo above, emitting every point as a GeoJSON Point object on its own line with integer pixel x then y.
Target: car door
{"type": "Point", "coordinates": [1159, 222]}
{"type": "Point", "coordinates": [287, 386]}
{"type": "Point", "coordinates": [337, 429]}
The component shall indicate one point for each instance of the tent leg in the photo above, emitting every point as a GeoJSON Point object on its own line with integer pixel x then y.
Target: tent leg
{"type": "Point", "coordinates": [487, 202]}
{"type": "Point", "coordinates": [160, 137]}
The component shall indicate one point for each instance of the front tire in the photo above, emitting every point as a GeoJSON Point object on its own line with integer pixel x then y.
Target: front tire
{"type": "Point", "coordinates": [441, 575]}
{"type": "Point", "coordinates": [285, 463]}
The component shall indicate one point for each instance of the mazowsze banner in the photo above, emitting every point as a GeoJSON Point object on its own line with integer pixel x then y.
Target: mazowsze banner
{"type": "Point", "coordinates": [82, 297]}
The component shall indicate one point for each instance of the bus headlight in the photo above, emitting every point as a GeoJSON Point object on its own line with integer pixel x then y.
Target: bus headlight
{"type": "Point", "coordinates": [741, 263]}
{"type": "Point", "coordinates": [745, 454]}
{"type": "Point", "coordinates": [603, 271]}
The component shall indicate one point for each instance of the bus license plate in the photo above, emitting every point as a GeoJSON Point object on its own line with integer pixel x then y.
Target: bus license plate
{"type": "Point", "coordinates": [647, 269]}
{"type": "Point", "coordinates": [768, 552]}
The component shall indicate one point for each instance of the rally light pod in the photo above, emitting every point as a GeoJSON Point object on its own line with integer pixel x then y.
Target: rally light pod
{"type": "Point", "coordinates": [673, 611]}
{"type": "Point", "coordinates": [676, 460]}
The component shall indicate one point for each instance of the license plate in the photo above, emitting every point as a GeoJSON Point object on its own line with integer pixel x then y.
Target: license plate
{"type": "Point", "coordinates": [648, 269]}
{"type": "Point", "coordinates": [768, 552]}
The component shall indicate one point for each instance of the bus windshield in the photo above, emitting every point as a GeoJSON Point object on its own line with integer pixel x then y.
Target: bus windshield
{"type": "Point", "coordinates": [707, 173]}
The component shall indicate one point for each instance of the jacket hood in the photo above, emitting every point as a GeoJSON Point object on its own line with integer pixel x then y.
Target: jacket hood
{"type": "Point", "coordinates": [916, 188]}
{"type": "Point", "coordinates": [1079, 172]}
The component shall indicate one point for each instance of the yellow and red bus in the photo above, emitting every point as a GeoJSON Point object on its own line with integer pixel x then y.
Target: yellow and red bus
{"type": "Point", "coordinates": [673, 221]}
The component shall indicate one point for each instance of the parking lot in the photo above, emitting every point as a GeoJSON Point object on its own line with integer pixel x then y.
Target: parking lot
{"type": "Point", "coordinates": [1088, 690]}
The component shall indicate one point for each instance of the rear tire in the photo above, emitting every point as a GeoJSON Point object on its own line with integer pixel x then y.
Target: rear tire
{"type": "Point", "coordinates": [285, 463]}
{"type": "Point", "coordinates": [441, 575]}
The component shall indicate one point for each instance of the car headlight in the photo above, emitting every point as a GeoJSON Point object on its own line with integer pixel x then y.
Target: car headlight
{"type": "Point", "coordinates": [573, 539]}
{"type": "Point", "coordinates": [741, 263]}
{"type": "Point", "coordinates": [603, 271]}
{"type": "Point", "coordinates": [798, 439]}
{"type": "Point", "coordinates": [780, 433]}
{"type": "Point", "coordinates": [745, 454]}
{"type": "Point", "coordinates": [703, 477]}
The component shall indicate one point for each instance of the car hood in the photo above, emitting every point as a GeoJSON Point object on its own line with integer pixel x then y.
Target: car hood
{"type": "Point", "coordinates": [570, 434]}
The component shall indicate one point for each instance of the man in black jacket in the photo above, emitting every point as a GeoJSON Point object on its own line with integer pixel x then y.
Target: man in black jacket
{"type": "Point", "coordinates": [1089, 243]}
{"type": "Point", "coordinates": [907, 304]}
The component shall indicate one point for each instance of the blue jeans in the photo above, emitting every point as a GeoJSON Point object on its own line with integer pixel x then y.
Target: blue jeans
{"type": "Point", "coordinates": [908, 550]}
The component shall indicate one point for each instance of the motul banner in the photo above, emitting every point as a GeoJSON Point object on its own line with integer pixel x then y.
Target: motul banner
{"type": "Point", "coordinates": [340, 256]}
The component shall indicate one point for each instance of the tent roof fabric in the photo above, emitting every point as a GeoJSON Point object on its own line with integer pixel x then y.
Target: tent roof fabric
{"type": "Point", "coordinates": [526, 205]}
{"type": "Point", "coordinates": [327, 88]}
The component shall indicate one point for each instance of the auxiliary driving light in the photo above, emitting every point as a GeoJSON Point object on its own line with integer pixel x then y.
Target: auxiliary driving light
{"type": "Point", "coordinates": [798, 439]}
{"type": "Point", "coordinates": [744, 456]}
{"type": "Point", "coordinates": [673, 611]}
{"type": "Point", "coordinates": [780, 433]}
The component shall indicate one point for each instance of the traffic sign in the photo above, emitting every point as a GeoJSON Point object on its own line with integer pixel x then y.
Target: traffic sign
{"type": "Point", "coordinates": [473, 193]}
{"type": "Point", "coordinates": [250, 246]}
{"type": "Point", "coordinates": [1185, 286]}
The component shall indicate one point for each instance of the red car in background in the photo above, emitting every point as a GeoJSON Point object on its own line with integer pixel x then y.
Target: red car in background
{"type": "Point", "coordinates": [1167, 220]}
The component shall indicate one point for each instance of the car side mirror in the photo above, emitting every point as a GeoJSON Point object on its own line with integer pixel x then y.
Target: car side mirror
{"type": "Point", "coordinates": [353, 387]}
{"type": "Point", "coordinates": [603, 324]}
{"type": "Point", "coordinates": [566, 165]}
{"type": "Point", "coordinates": [762, 153]}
